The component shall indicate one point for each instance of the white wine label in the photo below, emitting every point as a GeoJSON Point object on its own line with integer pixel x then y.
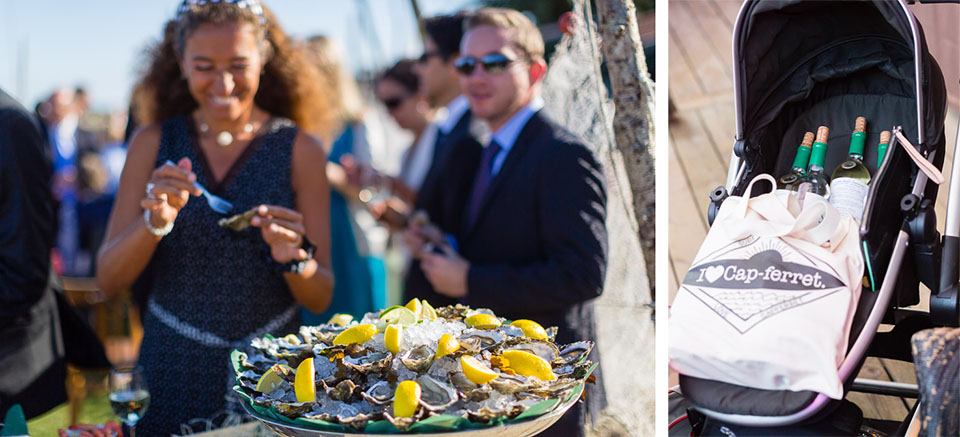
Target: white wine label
{"type": "Point", "coordinates": [849, 196]}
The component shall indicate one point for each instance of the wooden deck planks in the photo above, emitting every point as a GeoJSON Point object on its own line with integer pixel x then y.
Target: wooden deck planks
{"type": "Point", "coordinates": [683, 85]}
{"type": "Point", "coordinates": [727, 9]}
{"type": "Point", "coordinates": [695, 47]}
{"type": "Point", "coordinates": [876, 406]}
{"type": "Point", "coordinates": [687, 226]}
{"type": "Point", "coordinates": [720, 123]}
{"type": "Point", "coordinates": [713, 27]}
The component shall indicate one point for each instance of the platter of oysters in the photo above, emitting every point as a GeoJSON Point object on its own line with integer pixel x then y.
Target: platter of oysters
{"type": "Point", "coordinates": [412, 369]}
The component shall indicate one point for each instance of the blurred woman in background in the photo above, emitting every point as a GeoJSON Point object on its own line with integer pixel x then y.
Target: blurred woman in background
{"type": "Point", "coordinates": [398, 88]}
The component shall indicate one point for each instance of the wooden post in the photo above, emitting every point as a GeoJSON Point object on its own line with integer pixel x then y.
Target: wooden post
{"type": "Point", "coordinates": [633, 121]}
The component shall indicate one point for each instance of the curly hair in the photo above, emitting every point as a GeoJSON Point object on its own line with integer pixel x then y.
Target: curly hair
{"type": "Point", "coordinates": [289, 85]}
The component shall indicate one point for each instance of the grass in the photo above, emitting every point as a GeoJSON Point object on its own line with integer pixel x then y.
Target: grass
{"type": "Point", "coordinates": [94, 409]}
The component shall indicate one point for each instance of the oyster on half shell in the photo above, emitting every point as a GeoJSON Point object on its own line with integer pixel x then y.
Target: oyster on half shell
{"type": "Point", "coordinates": [418, 359]}
{"type": "Point", "coordinates": [380, 393]}
{"type": "Point", "coordinates": [435, 395]}
{"type": "Point", "coordinates": [574, 352]}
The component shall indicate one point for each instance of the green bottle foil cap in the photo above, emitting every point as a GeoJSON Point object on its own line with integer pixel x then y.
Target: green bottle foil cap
{"type": "Point", "coordinates": [882, 148]}
{"type": "Point", "coordinates": [820, 147]}
{"type": "Point", "coordinates": [859, 137]}
{"type": "Point", "coordinates": [803, 157]}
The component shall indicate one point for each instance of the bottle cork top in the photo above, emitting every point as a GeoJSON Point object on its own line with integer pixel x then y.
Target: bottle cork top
{"type": "Point", "coordinates": [823, 133]}
{"type": "Point", "coordinates": [885, 136]}
{"type": "Point", "coordinates": [861, 125]}
{"type": "Point", "coordinates": [807, 140]}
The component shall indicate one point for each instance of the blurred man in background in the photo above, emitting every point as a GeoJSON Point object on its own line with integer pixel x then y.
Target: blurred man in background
{"type": "Point", "coordinates": [31, 346]}
{"type": "Point", "coordinates": [440, 84]}
{"type": "Point", "coordinates": [70, 146]}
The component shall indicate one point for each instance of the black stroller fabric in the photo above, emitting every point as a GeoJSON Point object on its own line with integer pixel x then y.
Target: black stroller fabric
{"type": "Point", "coordinates": [804, 64]}
{"type": "Point", "coordinates": [826, 64]}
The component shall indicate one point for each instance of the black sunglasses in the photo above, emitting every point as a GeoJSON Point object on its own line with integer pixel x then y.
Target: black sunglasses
{"type": "Point", "coordinates": [493, 63]}
{"type": "Point", "coordinates": [426, 55]}
{"type": "Point", "coordinates": [394, 102]}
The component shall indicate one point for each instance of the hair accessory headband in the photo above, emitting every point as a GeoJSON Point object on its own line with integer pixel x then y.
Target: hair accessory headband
{"type": "Point", "coordinates": [253, 5]}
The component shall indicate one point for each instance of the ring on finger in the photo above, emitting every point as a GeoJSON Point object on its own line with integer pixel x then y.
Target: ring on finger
{"type": "Point", "coordinates": [150, 186]}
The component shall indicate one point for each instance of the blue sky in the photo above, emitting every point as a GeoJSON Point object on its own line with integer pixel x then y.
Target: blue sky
{"type": "Point", "coordinates": [99, 43]}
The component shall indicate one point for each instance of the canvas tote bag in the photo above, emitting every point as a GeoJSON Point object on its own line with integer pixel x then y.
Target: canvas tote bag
{"type": "Point", "coordinates": [770, 297]}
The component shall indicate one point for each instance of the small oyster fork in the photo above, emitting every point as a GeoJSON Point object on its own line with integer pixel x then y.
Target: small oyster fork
{"type": "Point", "coordinates": [215, 202]}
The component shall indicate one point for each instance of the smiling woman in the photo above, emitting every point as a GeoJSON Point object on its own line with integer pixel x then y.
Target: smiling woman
{"type": "Point", "coordinates": [225, 98]}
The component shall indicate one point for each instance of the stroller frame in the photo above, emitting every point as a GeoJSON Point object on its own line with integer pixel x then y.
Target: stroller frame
{"type": "Point", "coordinates": [943, 301]}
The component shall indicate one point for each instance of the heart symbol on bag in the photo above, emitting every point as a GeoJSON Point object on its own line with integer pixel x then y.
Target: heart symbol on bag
{"type": "Point", "coordinates": [714, 273]}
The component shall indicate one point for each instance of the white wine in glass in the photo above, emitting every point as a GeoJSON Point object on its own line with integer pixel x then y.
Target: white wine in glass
{"type": "Point", "coordinates": [129, 396]}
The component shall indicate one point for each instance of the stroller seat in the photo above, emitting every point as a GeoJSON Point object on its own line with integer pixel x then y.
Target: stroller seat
{"type": "Point", "coordinates": [732, 399]}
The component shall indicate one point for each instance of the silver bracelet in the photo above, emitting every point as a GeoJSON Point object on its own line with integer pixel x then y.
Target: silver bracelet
{"type": "Point", "coordinates": [160, 232]}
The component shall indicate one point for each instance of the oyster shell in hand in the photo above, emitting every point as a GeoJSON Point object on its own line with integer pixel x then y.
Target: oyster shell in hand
{"type": "Point", "coordinates": [238, 222]}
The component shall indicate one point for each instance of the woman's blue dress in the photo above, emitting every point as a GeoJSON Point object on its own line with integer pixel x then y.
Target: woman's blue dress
{"type": "Point", "coordinates": [353, 280]}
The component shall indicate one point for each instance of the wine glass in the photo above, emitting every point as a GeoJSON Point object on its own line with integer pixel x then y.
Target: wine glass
{"type": "Point", "coordinates": [129, 396]}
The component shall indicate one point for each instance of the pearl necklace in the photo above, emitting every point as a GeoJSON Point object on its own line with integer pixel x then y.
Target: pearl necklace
{"type": "Point", "coordinates": [225, 138]}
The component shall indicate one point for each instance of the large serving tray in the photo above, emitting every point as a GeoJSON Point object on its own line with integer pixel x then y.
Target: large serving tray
{"type": "Point", "coordinates": [512, 428]}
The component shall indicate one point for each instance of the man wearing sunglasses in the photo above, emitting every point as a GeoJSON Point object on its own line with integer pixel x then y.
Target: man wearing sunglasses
{"type": "Point", "coordinates": [440, 84]}
{"type": "Point", "coordinates": [526, 213]}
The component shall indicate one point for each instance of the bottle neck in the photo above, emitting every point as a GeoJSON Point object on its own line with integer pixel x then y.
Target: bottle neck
{"type": "Point", "coordinates": [818, 155]}
{"type": "Point", "coordinates": [881, 152]}
{"type": "Point", "coordinates": [857, 142]}
{"type": "Point", "coordinates": [802, 160]}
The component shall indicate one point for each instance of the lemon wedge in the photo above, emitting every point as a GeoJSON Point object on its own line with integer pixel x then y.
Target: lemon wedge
{"type": "Point", "coordinates": [270, 380]}
{"type": "Point", "coordinates": [528, 364]}
{"type": "Point", "coordinates": [406, 399]}
{"type": "Point", "coordinates": [427, 312]}
{"type": "Point", "coordinates": [304, 384]}
{"type": "Point", "coordinates": [340, 319]}
{"type": "Point", "coordinates": [447, 345]}
{"type": "Point", "coordinates": [476, 371]}
{"type": "Point", "coordinates": [415, 306]}
{"type": "Point", "coordinates": [531, 329]}
{"type": "Point", "coordinates": [391, 337]}
{"type": "Point", "coordinates": [482, 321]}
{"type": "Point", "coordinates": [355, 334]}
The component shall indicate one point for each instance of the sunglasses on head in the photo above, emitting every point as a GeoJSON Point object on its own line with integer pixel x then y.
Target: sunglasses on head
{"type": "Point", "coordinates": [394, 102]}
{"type": "Point", "coordinates": [426, 55]}
{"type": "Point", "coordinates": [493, 63]}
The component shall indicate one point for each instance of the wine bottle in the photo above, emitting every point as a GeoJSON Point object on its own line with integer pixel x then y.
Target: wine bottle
{"type": "Point", "coordinates": [791, 180]}
{"type": "Point", "coordinates": [882, 147]}
{"type": "Point", "coordinates": [848, 186]}
{"type": "Point", "coordinates": [819, 184]}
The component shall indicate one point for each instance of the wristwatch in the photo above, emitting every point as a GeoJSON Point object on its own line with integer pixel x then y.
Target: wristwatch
{"type": "Point", "coordinates": [160, 232]}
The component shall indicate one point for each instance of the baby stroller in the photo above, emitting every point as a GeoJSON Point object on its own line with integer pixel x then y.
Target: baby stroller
{"type": "Point", "coordinates": [799, 64]}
